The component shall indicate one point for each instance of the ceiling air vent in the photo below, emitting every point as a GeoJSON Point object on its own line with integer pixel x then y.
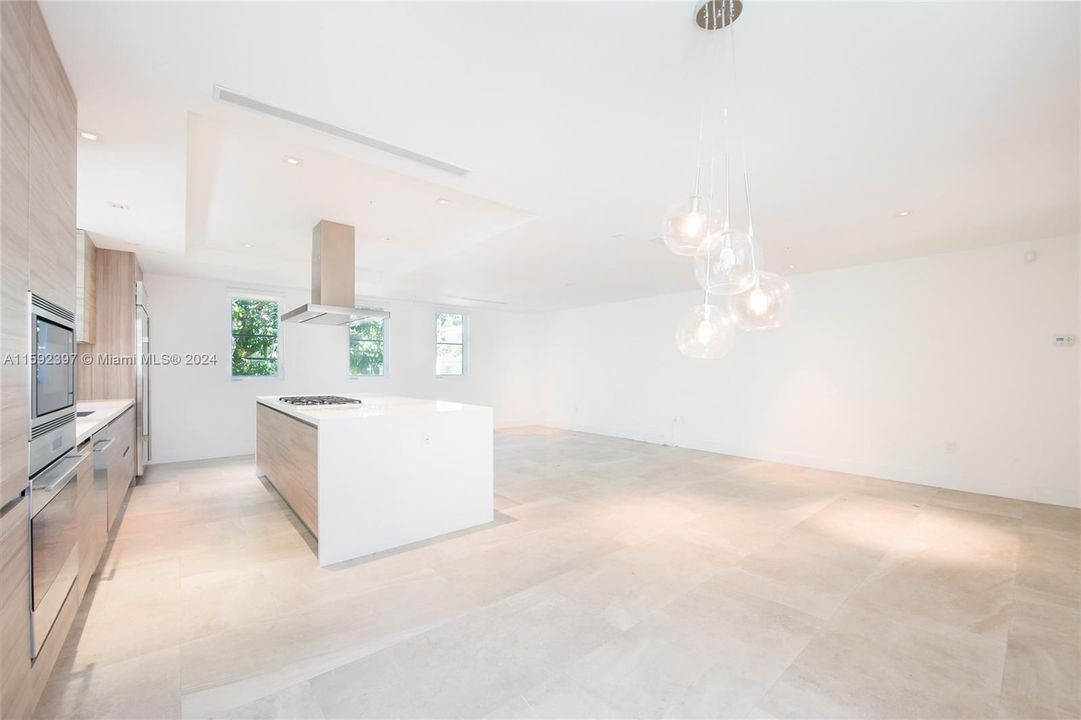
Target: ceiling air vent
{"type": "Point", "coordinates": [281, 113]}
{"type": "Point", "coordinates": [479, 300]}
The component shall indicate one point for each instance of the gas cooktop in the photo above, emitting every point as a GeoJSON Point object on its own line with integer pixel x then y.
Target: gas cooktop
{"type": "Point", "coordinates": [319, 400]}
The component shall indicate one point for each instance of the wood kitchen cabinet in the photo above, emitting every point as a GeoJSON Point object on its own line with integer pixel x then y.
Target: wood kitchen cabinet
{"type": "Point", "coordinates": [37, 210]}
{"type": "Point", "coordinates": [91, 512]}
{"type": "Point", "coordinates": [122, 460]}
{"type": "Point", "coordinates": [117, 272]}
{"type": "Point", "coordinates": [14, 248]}
{"type": "Point", "coordinates": [286, 452]}
{"type": "Point", "coordinates": [37, 253]}
{"type": "Point", "coordinates": [115, 443]}
{"type": "Point", "coordinates": [16, 698]}
{"type": "Point", "coordinates": [86, 285]}
{"type": "Point", "coordinates": [52, 151]}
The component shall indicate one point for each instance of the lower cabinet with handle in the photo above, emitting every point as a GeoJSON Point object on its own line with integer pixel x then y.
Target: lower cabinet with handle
{"type": "Point", "coordinates": [114, 466]}
{"type": "Point", "coordinates": [91, 513]}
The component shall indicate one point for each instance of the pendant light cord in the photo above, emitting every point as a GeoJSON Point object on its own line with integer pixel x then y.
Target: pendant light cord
{"type": "Point", "coordinates": [709, 213]}
{"type": "Point", "coordinates": [734, 83]}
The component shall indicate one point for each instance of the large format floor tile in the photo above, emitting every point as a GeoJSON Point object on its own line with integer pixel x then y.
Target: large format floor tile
{"type": "Point", "coordinates": [619, 579]}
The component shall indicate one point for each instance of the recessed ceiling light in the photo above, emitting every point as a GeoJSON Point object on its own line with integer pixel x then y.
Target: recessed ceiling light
{"type": "Point", "coordinates": [443, 201]}
{"type": "Point", "coordinates": [791, 267]}
{"type": "Point", "coordinates": [657, 240]}
{"type": "Point", "coordinates": [290, 160]}
{"type": "Point", "coordinates": [904, 213]}
{"type": "Point", "coordinates": [118, 206]}
{"type": "Point", "coordinates": [247, 245]}
{"type": "Point", "coordinates": [618, 236]}
{"type": "Point", "coordinates": [87, 135]}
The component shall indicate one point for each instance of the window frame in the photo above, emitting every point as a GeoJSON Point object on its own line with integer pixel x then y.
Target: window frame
{"type": "Point", "coordinates": [241, 294]}
{"type": "Point", "coordinates": [386, 352]}
{"type": "Point", "coordinates": [465, 341]}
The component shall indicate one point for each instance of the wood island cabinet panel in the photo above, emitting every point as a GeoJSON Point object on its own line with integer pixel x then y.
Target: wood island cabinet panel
{"type": "Point", "coordinates": [286, 451]}
{"type": "Point", "coordinates": [52, 170]}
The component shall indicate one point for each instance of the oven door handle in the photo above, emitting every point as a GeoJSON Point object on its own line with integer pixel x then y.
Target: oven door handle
{"type": "Point", "coordinates": [54, 480]}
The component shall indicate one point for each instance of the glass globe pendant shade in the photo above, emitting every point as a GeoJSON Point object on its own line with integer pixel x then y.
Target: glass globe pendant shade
{"type": "Point", "coordinates": [724, 263]}
{"type": "Point", "coordinates": [705, 332]}
{"type": "Point", "coordinates": [686, 226]}
{"type": "Point", "coordinates": [764, 306]}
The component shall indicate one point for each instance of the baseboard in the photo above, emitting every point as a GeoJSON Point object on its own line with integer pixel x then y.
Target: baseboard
{"type": "Point", "coordinates": [882, 471]}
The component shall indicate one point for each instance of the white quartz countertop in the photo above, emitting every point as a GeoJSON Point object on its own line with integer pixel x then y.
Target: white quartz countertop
{"type": "Point", "coordinates": [372, 406]}
{"type": "Point", "coordinates": [102, 412]}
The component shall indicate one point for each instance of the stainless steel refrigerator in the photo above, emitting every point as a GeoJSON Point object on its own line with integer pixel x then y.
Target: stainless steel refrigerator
{"type": "Point", "coordinates": [142, 379]}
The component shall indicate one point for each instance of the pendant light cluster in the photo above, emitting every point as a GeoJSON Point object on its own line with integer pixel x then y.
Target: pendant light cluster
{"type": "Point", "coordinates": [727, 259]}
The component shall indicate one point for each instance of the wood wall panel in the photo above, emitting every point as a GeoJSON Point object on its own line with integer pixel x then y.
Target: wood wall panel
{"type": "Point", "coordinates": [286, 451]}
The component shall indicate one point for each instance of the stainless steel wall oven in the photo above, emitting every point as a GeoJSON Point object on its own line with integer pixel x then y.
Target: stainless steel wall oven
{"type": "Point", "coordinates": [52, 382]}
{"type": "Point", "coordinates": [54, 537]}
{"type": "Point", "coordinates": [53, 465]}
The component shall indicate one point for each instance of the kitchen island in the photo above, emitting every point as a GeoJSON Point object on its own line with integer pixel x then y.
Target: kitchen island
{"type": "Point", "coordinates": [378, 474]}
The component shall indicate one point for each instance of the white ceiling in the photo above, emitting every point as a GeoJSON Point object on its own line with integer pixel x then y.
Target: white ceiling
{"type": "Point", "coordinates": [578, 124]}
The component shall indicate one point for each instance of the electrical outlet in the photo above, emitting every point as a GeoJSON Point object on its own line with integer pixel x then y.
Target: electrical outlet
{"type": "Point", "coordinates": [1065, 340]}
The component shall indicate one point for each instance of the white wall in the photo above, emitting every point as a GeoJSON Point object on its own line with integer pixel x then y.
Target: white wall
{"type": "Point", "coordinates": [199, 412]}
{"type": "Point", "coordinates": [878, 369]}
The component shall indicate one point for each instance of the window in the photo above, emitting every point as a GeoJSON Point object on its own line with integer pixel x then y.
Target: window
{"type": "Point", "coordinates": [368, 347]}
{"type": "Point", "coordinates": [255, 329]}
{"type": "Point", "coordinates": [449, 344]}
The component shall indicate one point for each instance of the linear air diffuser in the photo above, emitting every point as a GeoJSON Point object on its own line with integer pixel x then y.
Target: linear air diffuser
{"type": "Point", "coordinates": [281, 113]}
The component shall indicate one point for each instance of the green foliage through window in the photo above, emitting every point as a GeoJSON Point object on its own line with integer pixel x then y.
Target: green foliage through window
{"type": "Point", "coordinates": [367, 347]}
{"type": "Point", "coordinates": [449, 344]}
{"type": "Point", "coordinates": [255, 337]}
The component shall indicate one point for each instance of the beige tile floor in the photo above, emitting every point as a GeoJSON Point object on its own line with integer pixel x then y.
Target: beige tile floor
{"type": "Point", "coordinates": [621, 580]}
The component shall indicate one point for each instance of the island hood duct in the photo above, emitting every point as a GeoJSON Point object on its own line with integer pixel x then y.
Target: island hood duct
{"type": "Point", "coordinates": [333, 271]}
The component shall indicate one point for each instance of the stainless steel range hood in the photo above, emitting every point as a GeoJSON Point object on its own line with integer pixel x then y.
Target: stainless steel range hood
{"type": "Point", "coordinates": [333, 278]}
